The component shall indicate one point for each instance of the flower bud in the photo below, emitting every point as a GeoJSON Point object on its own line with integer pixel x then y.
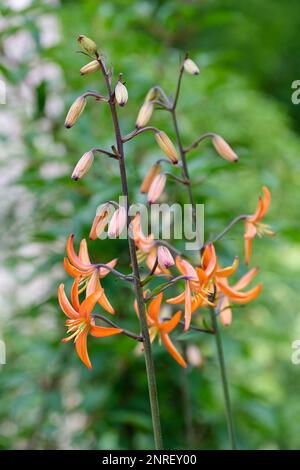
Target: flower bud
{"type": "Point", "coordinates": [83, 165]}
{"type": "Point", "coordinates": [121, 94]}
{"type": "Point", "coordinates": [223, 149]}
{"type": "Point", "coordinates": [144, 115]}
{"type": "Point", "coordinates": [90, 67]}
{"type": "Point", "coordinates": [75, 111]}
{"type": "Point", "coordinates": [117, 223]}
{"type": "Point", "coordinates": [164, 257]}
{"type": "Point", "coordinates": [152, 94]}
{"type": "Point", "coordinates": [194, 355]}
{"type": "Point", "coordinates": [100, 221]}
{"type": "Point", "coordinates": [166, 145]}
{"type": "Point", "coordinates": [87, 44]}
{"type": "Point", "coordinates": [154, 170]}
{"type": "Point", "coordinates": [190, 67]}
{"type": "Point", "coordinates": [156, 188]}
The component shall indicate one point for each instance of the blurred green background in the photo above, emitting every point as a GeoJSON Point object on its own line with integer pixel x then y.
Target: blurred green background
{"type": "Point", "coordinates": [248, 55]}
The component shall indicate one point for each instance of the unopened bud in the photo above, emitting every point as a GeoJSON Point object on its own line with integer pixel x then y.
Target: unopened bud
{"type": "Point", "coordinates": [87, 44]}
{"type": "Point", "coordinates": [117, 223]}
{"type": "Point", "coordinates": [152, 94]}
{"type": "Point", "coordinates": [121, 94]}
{"type": "Point", "coordinates": [190, 67]}
{"type": "Point", "coordinates": [90, 67]}
{"type": "Point", "coordinates": [166, 145]}
{"type": "Point", "coordinates": [75, 111]}
{"type": "Point", "coordinates": [194, 355]}
{"type": "Point", "coordinates": [83, 165]}
{"type": "Point", "coordinates": [156, 188]}
{"type": "Point", "coordinates": [223, 149]}
{"type": "Point", "coordinates": [154, 170]}
{"type": "Point", "coordinates": [144, 115]}
{"type": "Point", "coordinates": [164, 257]}
{"type": "Point", "coordinates": [100, 221]}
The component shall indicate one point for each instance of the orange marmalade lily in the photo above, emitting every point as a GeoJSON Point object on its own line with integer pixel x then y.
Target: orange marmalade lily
{"type": "Point", "coordinates": [146, 246]}
{"type": "Point", "coordinates": [253, 225]}
{"type": "Point", "coordinates": [163, 328]}
{"type": "Point", "coordinates": [80, 322]}
{"type": "Point", "coordinates": [203, 281]}
{"type": "Point", "coordinates": [226, 300]}
{"type": "Point", "coordinates": [89, 274]}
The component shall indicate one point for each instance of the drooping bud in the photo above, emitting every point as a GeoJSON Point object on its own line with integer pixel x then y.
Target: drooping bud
{"type": "Point", "coordinates": [90, 67]}
{"type": "Point", "coordinates": [190, 67]}
{"type": "Point", "coordinates": [152, 94]}
{"type": "Point", "coordinates": [75, 111]}
{"type": "Point", "coordinates": [87, 44]}
{"type": "Point", "coordinates": [166, 145]}
{"type": "Point", "coordinates": [223, 149]}
{"type": "Point", "coordinates": [100, 221]}
{"type": "Point", "coordinates": [156, 188]}
{"type": "Point", "coordinates": [117, 223]}
{"type": "Point", "coordinates": [144, 115]}
{"type": "Point", "coordinates": [121, 94]}
{"type": "Point", "coordinates": [154, 170]}
{"type": "Point", "coordinates": [164, 257]}
{"type": "Point", "coordinates": [83, 165]}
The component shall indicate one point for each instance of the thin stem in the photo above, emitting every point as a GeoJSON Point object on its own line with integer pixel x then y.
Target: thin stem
{"type": "Point", "coordinates": [125, 277]}
{"type": "Point", "coordinates": [124, 332]}
{"type": "Point", "coordinates": [196, 328]}
{"type": "Point", "coordinates": [175, 178]}
{"type": "Point", "coordinates": [138, 131]}
{"type": "Point", "coordinates": [227, 228]}
{"type": "Point", "coordinates": [165, 287]}
{"type": "Point", "coordinates": [105, 152]}
{"type": "Point", "coordinates": [137, 281]}
{"type": "Point", "coordinates": [228, 409]}
{"type": "Point", "coordinates": [96, 95]}
{"type": "Point", "coordinates": [207, 135]}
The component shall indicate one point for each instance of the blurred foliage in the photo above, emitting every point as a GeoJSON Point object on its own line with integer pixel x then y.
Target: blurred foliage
{"type": "Point", "coordinates": [247, 52]}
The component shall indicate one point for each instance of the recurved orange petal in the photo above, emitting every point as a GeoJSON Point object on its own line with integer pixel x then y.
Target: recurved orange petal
{"type": "Point", "coordinates": [65, 304]}
{"type": "Point", "coordinates": [83, 252]}
{"type": "Point", "coordinates": [104, 272]}
{"type": "Point", "coordinates": [249, 295]}
{"type": "Point", "coordinates": [248, 250]}
{"type": "Point", "coordinates": [172, 350]}
{"type": "Point", "coordinates": [179, 299]}
{"type": "Point", "coordinates": [246, 279]}
{"type": "Point", "coordinates": [226, 272]}
{"type": "Point", "coordinates": [89, 303]}
{"type": "Point", "coordinates": [102, 331]}
{"type": "Point", "coordinates": [169, 325]}
{"type": "Point", "coordinates": [154, 308]}
{"type": "Point", "coordinates": [74, 259]}
{"type": "Point", "coordinates": [81, 347]}
{"type": "Point", "coordinates": [188, 306]}
{"type": "Point", "coordinates": [74, 294]}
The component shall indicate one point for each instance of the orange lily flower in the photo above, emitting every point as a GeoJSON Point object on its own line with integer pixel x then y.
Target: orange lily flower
{"type": "Point", "coordinates": [253, 225]}
{"type": "Point", "coordinates": [146, 247]}
{"type": "Point", "coordinates": [90, 274]}
{"type": "Point", "coordinates": [80, 322]}
{"type": "Point", "coordinates": [198, 287]}
{"type": "Point", "coordinates": [163, 328]}
{"type": "Point", "coordinates": [226, 300]}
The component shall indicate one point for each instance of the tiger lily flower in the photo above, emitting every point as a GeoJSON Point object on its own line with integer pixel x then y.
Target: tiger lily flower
{"type": "Point", "coordinates": [80, 321]}
{"type": "Point", "coordinates": [253, 225]}
{"type": "Point", "coordinates": [89, 274]}
{"type": "Point", "coordinates": [198, 286]}
{"type": "Point", "coordinates": [147, 250]}
{"type": "Point", "coordinates": [163, 328]}
{"type": "Point", "coordinates": [226, 300]}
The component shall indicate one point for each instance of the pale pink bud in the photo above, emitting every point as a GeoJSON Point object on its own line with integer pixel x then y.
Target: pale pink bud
{"type": "Point", "coordinates": [90, 67]}
{"type": "Point", "coordinates": [83, 165]}
{"type": "Point", "coordinates": [223, 149]}
{"type": "Point", "coordinates": [75, 111]}
{"type": "Point", "coordinates": [165, 259]}
{"type": "Point", "coordinates": [144, 115]}
{"type": "Point", "coordinates": [190, 67]}
{"type": "Point", "coordinates": [117, 223]}
{"type": "Point", "coordinates": [100, 221]}
{"type": "Point", "coordinates": [154, 171]}
{"type": "Point", "coordinates": [166, 146]}
{"type": "Point", "coordinates": [121, 94]}
{"type": "Point", "coordinates": [156, 188]}
{"type": "Point", "coordinates": [194, 356]}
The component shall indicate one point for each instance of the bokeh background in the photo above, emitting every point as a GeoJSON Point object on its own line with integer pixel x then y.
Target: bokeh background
{"type": "Point", "coordinates": [248, 55]}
